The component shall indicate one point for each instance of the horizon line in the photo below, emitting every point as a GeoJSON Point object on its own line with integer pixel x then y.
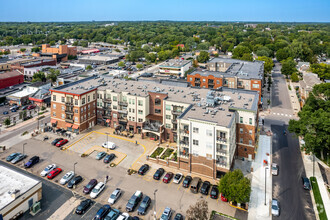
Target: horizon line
{"type": "Point", "coordinates": [91, 21]}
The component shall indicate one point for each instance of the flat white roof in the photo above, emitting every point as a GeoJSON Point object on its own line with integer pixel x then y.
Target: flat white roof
{"type": "Point", "coordinates": [11, 180]}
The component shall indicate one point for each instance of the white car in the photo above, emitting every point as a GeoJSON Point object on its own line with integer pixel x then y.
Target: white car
{"type": "Point", "coordinates": [166, 214]}
{"type": "Point", "coordinates": [274, 169]}
{"type": "Point", "coordinates": [114, 196]}
{"type": "Point", "coordinates": [67, 177]}
{"type": "Point", "coordinates": [275, 208]}
{"type": "Point", "coordinates": [97, 190]}
{"type": "Point", "coordinates": [48, 169]}
{"type": "Point", "coordinates": [109, 145]}
{"type": "Point", "coordinates": [177, 178]}
{"type": "Point", "coordinates": [123, 216]}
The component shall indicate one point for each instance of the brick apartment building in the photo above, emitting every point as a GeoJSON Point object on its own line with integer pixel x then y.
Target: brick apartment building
{"type": "Point", "coordinates": [10, 78]}
{"type": "Point", "coordinates": [59, 53]}
{"type": "Point", "coordinates": [210, 127]}
{"type": "Point", "coordinates": [21, 64]}
{"type": "Point", "coordinates": [231, 73]}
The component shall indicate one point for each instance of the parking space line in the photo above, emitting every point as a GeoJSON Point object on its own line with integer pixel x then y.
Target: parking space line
{"type": "Point", "coordinates": [179, 186]}
{"type": "Point", "coordinates": [169, 184]}
{"type": "Point", "coordinates": [158, 214]}
{"type": "Point", "coordinates": [94, 203]}
{"type": "Point", "coordinates": [77, 141]}
{"type": "Point", "coordinates": [218, 199]}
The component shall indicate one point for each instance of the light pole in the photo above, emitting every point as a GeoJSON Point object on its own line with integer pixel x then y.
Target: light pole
{"type": "Point", "coordinates": [155, 203]}
{"type": "Point", "coordinates": [23, 150]}
{"type": "Point", "coordinates": [266, 168]}
{"type": "Point", "coordinates": [107, 142]}
{"type": "Point", "coordinates": [74, 167]}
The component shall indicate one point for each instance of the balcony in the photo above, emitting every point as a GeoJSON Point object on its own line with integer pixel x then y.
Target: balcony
{"type": "Point", "coordinates": [107, 107]}
{"type": "Point", "coordinates": [69, 104]}
{"type": "Point", "coordinates": [240, 85]}
{"type": "Point", "coordinates": [184, 152]}
{"type": "Point", "coordinates": [106, 116]}
{"type": "Point", "coordinates": [123, 111]}
{"type": "Point", "coordinates": [174, 121]}
{"type": "Point", "coordinates": [184, 143]}
{"type": "Point", "coordinates": [222, 139]}
{"type": "Point", "coordinates": [151, 126]}
{"type": "Point", "coordinates": [123, 120]}
{"type": "Point", "coordinates": [221, 151]}
{"type": "Point", "coordinates": [123, 103]}
{"type": "Point", "coordinates": [107, 100]}
{"type": "Point", "coordinates": [222, 164]}
{"type": "Point", "coordinates": [69, 120]}
{"type": "Point", "coordinates": [69, 112]}
{"type": "Point", "coordinates": [176, 112]}
{"type": "Point", "coordinates": [185, 132]}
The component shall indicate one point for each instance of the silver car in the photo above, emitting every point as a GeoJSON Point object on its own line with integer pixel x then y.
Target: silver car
{"type": "Point", "coordinates": [274, 169]}
{"type": "Point", "coordinates": [67, 177]}
{"type": "Point", "coordinates": [275, 208]}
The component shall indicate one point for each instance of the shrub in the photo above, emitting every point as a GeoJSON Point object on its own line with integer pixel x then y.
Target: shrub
{"type": "Point", "coordinates": [167, 153]}
{"type": "Point", "coordinates": [157, 152]}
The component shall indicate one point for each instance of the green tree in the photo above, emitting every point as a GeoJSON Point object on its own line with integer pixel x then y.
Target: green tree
{"type": "Point", "coordinates": [7, 121]}
{"type": "Point", "coordinates": [39, 77]}
{"type": "Point", "coordinates": [235, 186]}
{"type": "Point", "coordinates": [53, 75]}
{"type": "Point", "coordinates": [24, 114]}
{"type": "Point", "coordinates": [20, 115]}
{"type": "Point", "coordinates": [322, 70]}
{"type": "Point", "coordinates": [52, 43]}
{"type": "Point", "coordinates": [203, 57]}
{"type": "Point", "coordinates": [35, 49]}
{"type": "Point", "coordinates": [288, 67]}
{"type": "Point", "coordinates": [268, 63]}
{"type": "Point", "coordinates": [139, 66]}
{"type": "Point", "coordinates": [151, 57]}
{"type": "Point", "coordinates": [121, 64]}
{"type": "Point", "coordinates": [294, 77]}
{"type": "Point", "coordinates": [241, 51]}
{"type": "Point", "coordinates": [89, 67]}
{"type": "Point", "coordinates": [83, 43]}
{"type": "Point", "coordinates": [22, 50]}
{"type": "Point", "coordinates": [247, 57]}
{"type": "Point", "coordinates": [314, 121]}
{"type": "Point", "coordinates": [199, 211]}
{"type": "Point", "coordinates": [117, 50]}
{"type": "Point", "coordinates": [282, 54]}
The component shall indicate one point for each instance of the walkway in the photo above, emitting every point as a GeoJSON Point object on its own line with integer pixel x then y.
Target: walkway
{"type": "Point", "coordinates": [259, 206]}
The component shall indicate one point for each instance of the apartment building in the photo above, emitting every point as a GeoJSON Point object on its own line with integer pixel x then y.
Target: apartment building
{"type": "Point", "coordinates": [58, 53]}
{"type": "Point", "coordinates": [175, 67]}
{"type": "Point", "coordinates": [73, 106]}
{"type": "Point", "coordinates": [231, 73]}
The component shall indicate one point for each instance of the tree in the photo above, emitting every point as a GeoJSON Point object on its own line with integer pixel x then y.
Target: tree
{"type": "Point", "coordinates": [89, 67]}
{"type": "Point", "coordinates": [39, 77]}
{"type": "Point", "coordinates": [294, 77]}
{"type": "Point", "coordinates": [53, 75]}
{"type": "Point", "coordinates": [240, 51]}
{"type": "Point", "coordinates": [7, 121]}
{"type": "Point", "coordinates": [235, 186]}
{"type": "Point", "coordinates": [247, 57]}
{"type": "Point", "coordinates": [314, 121]}
{"type": "Point", "coordinates": [199, 211]}
{"type": "Point", "coordinates": [288, 67]}
{"type": "Point", "coordinates": [268, 63]}
{"type": "Point", "coordinates": [121, 64]}
{"type": "Point", "coordinates": [282, 54]}
{"type": "Point", "coordinates": [22, 50]}
{"type": "Point", "coordinates": [139, 66]}
{"type": "Point", "coordinates": [322, 70]}
{"type": "Point", "coordinates": [203, 57]}
{"type": "Point", "coordinates": [24, 114]}
{"type": "Point", "coordinates": [20, 115]}
{"type": "Point", "coordinates": [35, 49]}
{"type": "Point", "coordinates": [83, 43]}
{"type": "Point", "coordinates": [151, 57]}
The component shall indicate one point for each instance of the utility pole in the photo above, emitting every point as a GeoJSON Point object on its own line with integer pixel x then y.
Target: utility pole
{"type": "Point", "coordinates": [107, 142]}
{"type": "Point", "coordinates": [74, 167]}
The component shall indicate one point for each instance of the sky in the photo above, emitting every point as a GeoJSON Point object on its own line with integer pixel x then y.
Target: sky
{"type": "Point", "coordinates": [175, 10]}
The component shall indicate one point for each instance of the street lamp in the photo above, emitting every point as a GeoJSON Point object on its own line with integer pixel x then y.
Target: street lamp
{"type": "Point", "coordinates": [155, 203]}
{"type": "Point", "coordinates": [107, 142]}
{"type": "Point", "coordinates": [23, 150]}
{"type": "Point", "coordinates": [74, 167]}
{"type": "Point", "coordinates": [266, 168]}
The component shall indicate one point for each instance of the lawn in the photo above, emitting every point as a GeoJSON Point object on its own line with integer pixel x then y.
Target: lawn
{"type": "Point", "coordinates": [167, 153]}
{"type": "Point", "coordinates": [157, 152]}
{"type": "Point", "coordinates": [318, 199]}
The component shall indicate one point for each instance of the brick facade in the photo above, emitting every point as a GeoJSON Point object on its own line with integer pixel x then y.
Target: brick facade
{"type": "Point", "coordinates": [245, 133]}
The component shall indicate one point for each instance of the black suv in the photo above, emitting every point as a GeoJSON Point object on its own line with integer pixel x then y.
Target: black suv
{"type": "Point", "coordinates": [54, 142]}
{"type": "Point", "coordinates": [159, 173]}
{"type": "Point", "coordinates": [143, 169]}
{"type": "Point", "coordinates": [134, 200]}
{"type": "Point", "coordinates": [186, 182]}
{"type": "Point", "coordinates": [32, 161]}
{"type": "Point", "coordinates": [75, 181]}
{"type": "Point", "coordinates": [144, 205]}
{"type": "Point", "coordinates": [205, 187]}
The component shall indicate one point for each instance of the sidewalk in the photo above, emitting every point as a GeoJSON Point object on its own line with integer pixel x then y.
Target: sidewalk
{"type": "Point", "coordinates": [293, 98]}
{"type": "Point", "coordinates": [257, 208]}
{"type": "Point", "coordinates": [308, 163]}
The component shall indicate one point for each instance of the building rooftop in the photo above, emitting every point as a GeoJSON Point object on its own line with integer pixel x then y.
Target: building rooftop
{"type": "Point", "coordinates": [9, 74]}
{"type": "Point", "coordinates": [11, 181]}
{"type": "Point", "coordinates": [175, 63]}
{"type": "Point", "coordinates": [98, 58]}
{"type": "Point", "coordinates": [310, 80]}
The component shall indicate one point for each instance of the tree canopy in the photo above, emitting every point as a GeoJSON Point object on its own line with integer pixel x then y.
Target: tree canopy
{"type": "Point", "coordinates": [268, 63]}
{"type": "Point", "coordinates": [288, 67]}
{"type": "Point", "coordinates": [322, 70]}
{"type": "Point", "coordinates": [199, 211]}
{"type": "Point", "coordinates": [203, 57]}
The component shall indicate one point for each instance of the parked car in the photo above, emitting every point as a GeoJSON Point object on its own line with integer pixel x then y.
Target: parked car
{"type": "Point", "coordinates": [24, 107]}
{"type": "Point", "coordinates": [109, 158]}
{"type": "Point", "coordinates": [159, 173]}
{"type": "Point", "coordinates": [48, 169]}
{"type": "Point", "coordinates": [143, 169]}
{"type": "Point", "coordinates": [144, 205]}
{"type": "Point", "coordinates": [214, 194]}
{"type": "Point", "coordinates": [274, 169]}
{"type": "Point", "coordinates": [205, 188]}
{"type": "Point", "coordinates": [31, 107]}
{"type": "Point", "coordinates": [67, 177]}
{"type": "Point", "coordinates": [178, 216]}
{"type": "Point", "coordinates": [306, 183]}
{"type": "Point", "coordinates": [12, 156]}
{"type": "Point", "coordinates": [61, 142]}
{"type": "Point", "coordinates": [100, 155]}
{"type": "Point", "coordinates": [166, 214]}
{"type": "Point", "coordinates": [5, 112]}
{"type": "Point", "coordinates": [134, 200]}
{"type": "Point", "coordinates": [109, 145]}
{"type": "Point", "coordinates": [123, 216]}
{"type": "Point", "coordinates": [114, 196]}
{"type": "Point", "coordinates": [97, 190]}
{"type": "Point", "coordinates": [18, 158]}
{"type": "Point", "coordinates": [75, 181]}
{"type": "Point", "coordinates": [83, 206]}
{"type": "Point", "coordinates": [33, 160]}
{"type": "Point", "coordinates": [186, 182]}
{"type": "Point", "coordinates": [88, 188]}
{"type": "Point", "coordinates": [112, 215]}
{"type": "Point", "coordinates": [54, 173]}
{"type": "Point", "coordinates": [223, 198]}
{"type": "Point", "coordinates": [55, 141]}
{"type": "Point", "coordinates": [102, 212]}
{"type": "Point", "coordinates": [195, 184]}
{"type": "Point", "coordinates": [177, 178]}
{"type": "Point", "coordinates": [13, 110]}
{"type": "Point", "coordinates": [275, 208]}
{"type": "Point", "coordinates": [167, 178]}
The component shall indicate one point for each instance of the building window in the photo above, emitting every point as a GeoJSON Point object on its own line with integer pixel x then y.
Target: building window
{"type": "Point", "coordinates": [133, 118]}
{"type": "Point", "coordinates": [191, 79]}
{"type": "Point", "coordinates": [158, 111]}
{"type": "Point", "coordinates": [209, 133]}
{"type": "Point", "coordinates": [195, 130]}
{"type": "Point", "coordinates": [62, 99]}
{"type": "Point", "coordinates": [76, 119]}
{"type": "Point", "coordinates": [168, 126]}
{"type": "Point", "coordinates": [195, 142]}
{"type": "Point", "coordinates": [54, 98]}
{"type": "Point", "coordinates": [81, 118]}
{"type": "Point", "coordinates": [204, 80]}
{"type": "Point", "coordinates": [168, 117]}
{"type": "Point", "coordinates": [54, 114]}
{"type": "Point", "coordinates": [255, 86]}
{"type": "Point", "coordinates": [158, 102]}
{"type": "Point", "coordinates": [114, 115]}
{"type": "Point", "coordinates": [94, 96]}
{"type": "Point", "coordinates": [89, 114]}
{"type": "Point", "coordinates": [63, 116]}
{"type": "Point", "coordinates": [114, 98]}
{"type": "Point", "coordinates": [89, 106]}
{"type": "Point", "coordinates": [83, 101]}
{"type": "Point", "coordinates": [250, 132]}
{"type": "Point", "coordinates": [250, 121]}
{"type": "Point", "coordinates": [140, 112]}
{"type": "Point", "coordinates": [140, 103]}
{"type": "Point", "coordinates": [62, 107]}
{"type": "Point", "coordinates": [168, 107]}
{"type": "Point", "coordinates": [241, 140]}
{"type": "Point", "coordinates": [240, 119]}
{"type": "Point", "coordinates": [241, 130]}
{"type": "Point", "coordinates": [76, 111]}
{"type": "Point", "coordinates": [54, 106]}
{"type": "Point", "coordinates": [88, 98]}
{"type": "Point", "coordinates": [218, 82]}
{"type": "Point", "coordinates": [250, 142]}
{"type": "Point", "coordinates": [82, 109]}
{"type": "Point", "coordinates": [129, 110]}
{"type": "Point", "coordinates": [114, 107]}
{"type": "Point", "coordinates": [76, 101]}
{"type": "Point", "coordinates": [140, 120]}
{"type": "Point", "coordinates": [133, 110]}
{"type": "Point", "coordinates": [133, 101]}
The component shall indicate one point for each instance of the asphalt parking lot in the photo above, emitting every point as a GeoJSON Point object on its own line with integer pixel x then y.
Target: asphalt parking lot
{"type": "Point", "coordinates": [172, 195]}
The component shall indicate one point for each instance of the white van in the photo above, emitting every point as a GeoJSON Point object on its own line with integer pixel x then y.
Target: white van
{"type": "Point", "coordinates": [109, 145]}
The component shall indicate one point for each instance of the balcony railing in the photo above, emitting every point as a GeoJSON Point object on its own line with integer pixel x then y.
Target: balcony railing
{"type": "Point", "coordinates": [222, 139]}
{"type": "Point", "coordinates": [175, 112]}
{"type": "Point", "coordinates": [69, 103]}
{"type": "Point", "coordinates": [123, 103]}
{"type": "Point", "coordinates": [106, 116]}
{"type": "Point", "coordinates": [69, 120]}
{"type": "Point", "coordinates": [174, 121]}
{"type": "Point", "coordinates": [123, 119]}
{"type": "Point", "coordinates": [122, 111]}
{"type": "Point", "coordinates": [223, 164]}
{"type": "Point", "coordinates": [221, 151]}
{"type": "Point", "coordinates": [184, 143]}
{"type": "Point", "coordinates": [69, 112]}
{"type": "Point", "coordinates": [184, 152]}
{"type": "Point", "coordinates": [107, 100]}
{"type": "Point", "coordinates": [152, 127]}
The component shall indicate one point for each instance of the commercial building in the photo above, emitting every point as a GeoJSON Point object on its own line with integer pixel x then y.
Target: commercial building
{"type": "Point", "coordinates": [21, 64]}
{"type": "Point", "coordinates": [10, 78]}
{"type": "Point", "coordinates": [59, 53]}
{"type": "Point", "coordinates": [210, 127]}
{"type": "Point", "coordinates": [175, 67]}
{"type": "Point", "coordinates": [99, 59]}
{"type": "Point", "coordinates": [90, 51]}
{"type": "Point", "coordinates": [4, 66]}
{"type": "Point", "coordinates": [18, 193]}
{"type": "Point", "coordinates": [231, 73]}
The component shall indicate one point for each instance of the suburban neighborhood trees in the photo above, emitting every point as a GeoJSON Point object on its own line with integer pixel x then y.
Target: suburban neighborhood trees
{"type": "Point", "coordinates": [203, 57]}
{"type": "Point", "coordinates": [199, 211]}
{"type": "Point", "coordinates": [288, 67]}
{"type": "Point", "coordinates": [268, 66]}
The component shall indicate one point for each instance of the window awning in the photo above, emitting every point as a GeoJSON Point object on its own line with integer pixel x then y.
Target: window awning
{"type": "Point", "coordinates": [53, 121]}
{"type": "Point", "coordinates": [107, 121]}
{"type": "Point", "coordinates": [75, 126]}
{"type": "Point", "coordinates": [68, 125]}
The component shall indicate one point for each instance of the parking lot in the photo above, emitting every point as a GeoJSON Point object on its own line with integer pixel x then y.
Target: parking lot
{"type": "Point", "coordinates": [171, 194]}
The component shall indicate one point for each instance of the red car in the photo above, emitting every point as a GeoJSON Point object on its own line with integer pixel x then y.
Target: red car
{"type": "Point", "coordinates": [54, 173]}
{"type": "Point", "coordinates": [223, 198]}
{"type": "Point", "coordinates": [31, 107]}
{"type": "Point", "coordinates": [62, 142]}
{"type": "Point", "coordinates": [167, 178]}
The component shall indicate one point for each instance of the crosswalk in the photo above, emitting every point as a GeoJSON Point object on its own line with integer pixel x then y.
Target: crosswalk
{"type": "Point", "coordinates": [282, 114]}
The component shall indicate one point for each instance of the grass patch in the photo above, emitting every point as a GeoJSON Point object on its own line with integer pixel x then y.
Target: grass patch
{"type": "Point", "coordinates": [167, 153]}
{"type": "Point", "coordinates": [157, 152]}
{"type": "Point", "coordinates": [24, 133]}
{"type": "Point", "coordinates": [221, 214]}
{"type": "Point", "coordinates": [318, 199]}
